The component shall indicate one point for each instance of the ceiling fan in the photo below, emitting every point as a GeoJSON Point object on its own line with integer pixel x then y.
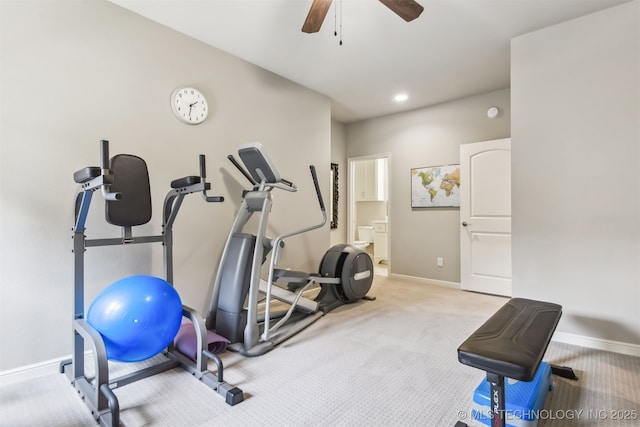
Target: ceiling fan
{"type": "Point", "coordinates": [406, 9]}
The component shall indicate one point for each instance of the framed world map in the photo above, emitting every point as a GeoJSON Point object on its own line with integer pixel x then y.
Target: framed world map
{"type": "Point", "coordinates": [435, 187]}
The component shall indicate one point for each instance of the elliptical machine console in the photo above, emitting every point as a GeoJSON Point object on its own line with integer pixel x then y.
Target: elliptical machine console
{"type": "Point", "coordinates": [241, 303]}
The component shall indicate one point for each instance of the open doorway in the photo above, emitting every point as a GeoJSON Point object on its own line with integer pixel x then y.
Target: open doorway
{"type": "Point", "coordinates": [368, 212]}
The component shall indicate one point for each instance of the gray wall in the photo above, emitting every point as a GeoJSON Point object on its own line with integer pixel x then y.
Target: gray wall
{"type": "Point", "coordinates": [575, 162]}
{"type": "Point", "coordinates": [75, 72]}
{"type": "Point", "coordinates": [427, 137]}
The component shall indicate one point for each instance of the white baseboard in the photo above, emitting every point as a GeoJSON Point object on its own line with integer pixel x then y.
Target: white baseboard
{"type": "Point", "coordinates": [583, 341]}
{"type": "Point", "coordinates": [442, 283]}
{"type": "Point", "coordinates": [28, 372]}
{"type": "Point", "coordinates": [598, 343]}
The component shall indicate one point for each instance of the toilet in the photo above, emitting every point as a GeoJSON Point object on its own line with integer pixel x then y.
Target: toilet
{"type": "Point", "coordinates": [365, 236]}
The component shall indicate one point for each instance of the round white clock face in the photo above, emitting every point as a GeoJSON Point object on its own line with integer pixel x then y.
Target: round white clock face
{"type": "Point", "coordinates": [189, 105]}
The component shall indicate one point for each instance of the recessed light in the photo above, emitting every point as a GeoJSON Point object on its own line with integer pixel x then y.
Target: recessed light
{"type": "Point", "coordinates": [401, 97]}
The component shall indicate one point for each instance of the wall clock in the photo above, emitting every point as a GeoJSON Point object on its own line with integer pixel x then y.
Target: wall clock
{"type": "Point", "coordinates": [189, 105]}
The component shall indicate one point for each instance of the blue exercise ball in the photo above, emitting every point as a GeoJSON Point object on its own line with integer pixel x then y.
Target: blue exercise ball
{"type": "Point", "coordinates": [137, 316]}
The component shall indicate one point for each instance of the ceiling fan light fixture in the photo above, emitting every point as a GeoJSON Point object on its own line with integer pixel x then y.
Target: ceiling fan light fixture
{"type": "Point", "coordinates": [405, 9]}
{"type": "Point", "coordinates": [400, 97]}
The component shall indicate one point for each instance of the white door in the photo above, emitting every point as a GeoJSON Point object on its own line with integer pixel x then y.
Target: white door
{"type": "Point", "coordinates": [485, 217]}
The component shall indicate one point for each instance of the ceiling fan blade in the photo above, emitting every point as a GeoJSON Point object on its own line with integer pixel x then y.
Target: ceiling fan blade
{"type": "Point", "coordinates": [405, 9]}
{"type": "Point", "coordinates": [316, 16]}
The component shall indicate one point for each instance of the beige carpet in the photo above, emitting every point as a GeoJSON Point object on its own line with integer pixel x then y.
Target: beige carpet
{"type": "Point", "coordinates": [390, 362]}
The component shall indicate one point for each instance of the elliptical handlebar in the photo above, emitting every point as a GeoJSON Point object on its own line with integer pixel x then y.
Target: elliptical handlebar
{"type": "Point", "coordinates": [241, 169]}
{"type": "Point", "coordinates": [314, 176]}
{"type": "Point", "coordinates": [316, 184]}
{"type": "Point", "coordinates": [278, 245]}
{"type": "Point", "coordinates": [287, 182]}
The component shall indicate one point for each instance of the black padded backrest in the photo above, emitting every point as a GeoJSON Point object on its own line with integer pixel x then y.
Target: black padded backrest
{"type": "Point", "coordinates": [131, 178]}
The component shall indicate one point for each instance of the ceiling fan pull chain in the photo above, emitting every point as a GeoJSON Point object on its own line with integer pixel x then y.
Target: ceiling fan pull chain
{"type": "Point", "coordinates": [340, 22]}
{"type": "Point", "coordinates": [335, 22]}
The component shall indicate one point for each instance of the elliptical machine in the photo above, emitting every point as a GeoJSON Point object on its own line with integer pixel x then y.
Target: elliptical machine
{"type": "Point", "coordinates": [236, 311]}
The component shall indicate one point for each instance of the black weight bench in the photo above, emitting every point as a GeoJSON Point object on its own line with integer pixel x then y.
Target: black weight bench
{"type": "Point", "coordinates": [511, 343]}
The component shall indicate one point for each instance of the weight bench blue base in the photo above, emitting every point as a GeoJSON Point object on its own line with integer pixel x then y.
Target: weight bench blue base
{"type": "Point", "coordinates": [523, 399]}
{"type": "Point", "coordinates": [511, 343]}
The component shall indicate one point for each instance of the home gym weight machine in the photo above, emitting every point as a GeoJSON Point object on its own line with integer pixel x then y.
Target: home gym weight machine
{"type": "Point", "coordinates": [124, 183]}
{"type": "Point", "coordinates": [236, 311]}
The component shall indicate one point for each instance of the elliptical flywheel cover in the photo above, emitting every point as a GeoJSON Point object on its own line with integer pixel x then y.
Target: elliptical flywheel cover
{"type": "Point", "coordinates": [353, 266]}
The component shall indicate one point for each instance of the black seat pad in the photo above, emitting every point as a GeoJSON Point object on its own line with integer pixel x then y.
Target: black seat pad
{"type": "Point", "coordinates": [513, 341]}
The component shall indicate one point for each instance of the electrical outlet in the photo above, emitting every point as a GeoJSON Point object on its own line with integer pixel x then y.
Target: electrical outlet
{"type": "Point", "coordinates": [440, 262]}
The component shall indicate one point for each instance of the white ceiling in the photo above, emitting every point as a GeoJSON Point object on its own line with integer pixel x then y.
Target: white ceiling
{"type": "Point", "coordinates": [456, 48]}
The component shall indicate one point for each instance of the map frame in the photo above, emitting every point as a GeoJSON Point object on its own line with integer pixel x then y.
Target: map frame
{"type": "Point", "coordinates": [437, 172]}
